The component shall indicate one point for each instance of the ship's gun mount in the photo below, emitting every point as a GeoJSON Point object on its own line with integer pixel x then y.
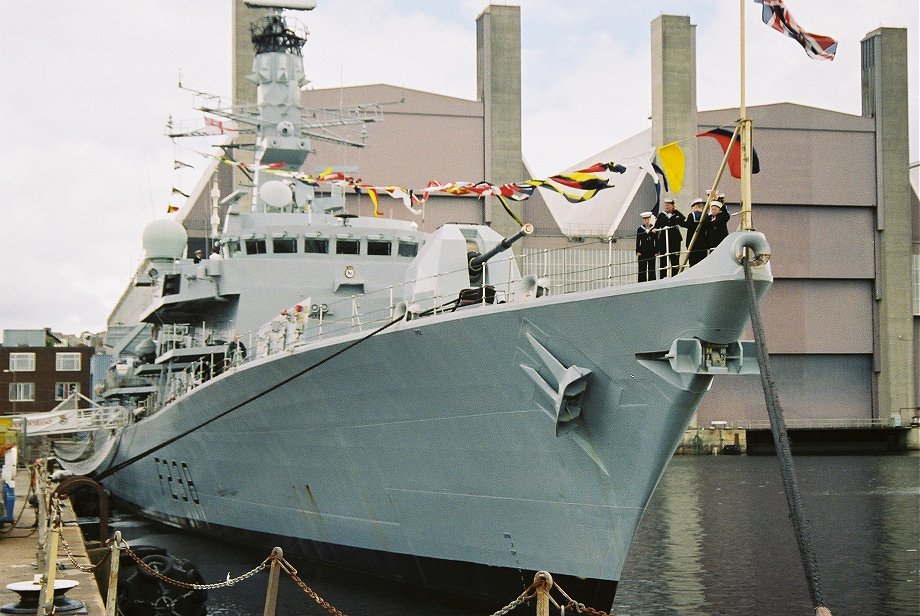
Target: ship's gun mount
{"type": "Point", "coordinates": [476, 261]}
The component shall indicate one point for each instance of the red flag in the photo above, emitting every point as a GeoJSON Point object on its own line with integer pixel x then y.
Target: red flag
{"type": "Point", "coordinates": [724, 136]}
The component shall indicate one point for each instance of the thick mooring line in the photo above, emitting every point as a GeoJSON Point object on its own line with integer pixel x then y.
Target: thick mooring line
{"type": "Point", "coordinates": [784, 454]}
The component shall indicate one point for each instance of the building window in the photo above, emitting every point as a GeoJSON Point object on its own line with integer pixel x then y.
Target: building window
{"type": "Point", "coordinates": [22, 392]}
{"type": "Point", "coordinates": [62, 391]}
{"type": "Point", "coordinates": [67, 362]}
{"type": "Point", "coordinates": [22, 362]}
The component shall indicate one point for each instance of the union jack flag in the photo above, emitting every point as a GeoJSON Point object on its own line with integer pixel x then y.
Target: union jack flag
{"type": "Point", "coordinates": [777, 16]}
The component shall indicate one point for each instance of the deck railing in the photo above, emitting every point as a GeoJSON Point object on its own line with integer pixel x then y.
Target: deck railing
{"type": "Point", "coordinates": [587, 266]}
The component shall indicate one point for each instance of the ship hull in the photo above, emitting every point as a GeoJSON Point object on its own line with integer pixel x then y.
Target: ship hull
{"type": "Point", "coordinates": [432, 445]}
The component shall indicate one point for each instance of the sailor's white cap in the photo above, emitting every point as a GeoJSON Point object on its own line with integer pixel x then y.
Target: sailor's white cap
{"type": "Point", "coordinates": [646, 214]}
{"type": "Point", "coordinates": [717, 204]}
{"type": "Point", "coordinates": [699, 202]}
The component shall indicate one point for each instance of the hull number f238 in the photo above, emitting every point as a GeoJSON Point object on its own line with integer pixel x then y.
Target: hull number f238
{"type": "Point", "coordinates": [176, 480]}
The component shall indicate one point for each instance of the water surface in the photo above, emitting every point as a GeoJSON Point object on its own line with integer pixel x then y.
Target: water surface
{"type": "Point", "coordinates": [716, 539]}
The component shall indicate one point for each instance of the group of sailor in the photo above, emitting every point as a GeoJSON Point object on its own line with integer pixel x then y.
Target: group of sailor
{"type": "Point", "coordinates": [660, 236]}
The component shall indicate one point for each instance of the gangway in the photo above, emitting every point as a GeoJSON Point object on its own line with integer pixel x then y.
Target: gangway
{"type": "Point", "coordinates": [68, 418]}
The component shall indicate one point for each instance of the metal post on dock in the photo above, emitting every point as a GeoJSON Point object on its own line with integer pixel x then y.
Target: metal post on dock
{"type": "Point", "coordinates": [111, 596]}
{"type": "Point", "coordinates": [41, 495]}
{"type": "Point", "coordinates": [271, 594]}
{"type": "Point", "coordinates": [46, 594]}
{"type": "Point", "coordinates": [544, 582]}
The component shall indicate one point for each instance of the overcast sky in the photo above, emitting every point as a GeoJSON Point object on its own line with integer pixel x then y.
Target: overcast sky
{"type": "Point", "coordinates": [88, 87]}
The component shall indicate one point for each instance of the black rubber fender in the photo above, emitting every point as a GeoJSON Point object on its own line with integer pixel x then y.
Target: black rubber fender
{"type": "Point", "coordinates": [161, 563]}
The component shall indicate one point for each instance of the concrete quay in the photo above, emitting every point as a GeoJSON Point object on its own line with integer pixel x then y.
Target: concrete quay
{"type": "Point", "coordinates": [813, 440]}
{"type": "Point", "coordinates": [18, 553]}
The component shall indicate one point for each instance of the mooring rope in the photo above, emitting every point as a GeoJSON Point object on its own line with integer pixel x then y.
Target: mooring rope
{"type": "Point", "coordinates": [121, 465]}
{"type": "Point", "coordinates": [784, 454]}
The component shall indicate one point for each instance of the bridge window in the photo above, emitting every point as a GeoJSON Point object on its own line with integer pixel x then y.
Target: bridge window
{"type": "Point", "coordinates": [256, 247]}
{"type": "Point", "coordinates": [62, 391]}
{"type": "Point", "coordinates": [407, 249]}
{"type": "Point", "coordinates": [284, 245]}
{"type": "Point", "coordinates": [171, 284]}
{"type": "Point", "coordinates": [22, 362]}
{"type": "Point", "coordinates": [232, 248]}
{"type": "Point", "coordinates": [347, 247]}
{"type": "Point", "coordinates": [316, 245]}
{"type": "Point", "coordinates": [379, 248]}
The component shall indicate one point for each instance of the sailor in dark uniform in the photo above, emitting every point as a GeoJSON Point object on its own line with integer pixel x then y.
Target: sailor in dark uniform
{"type": "Point", "coordinates": [667, 227]}
{"type": "Point", "coordinates": [690, 224]}
{"type": "Point", "coordinates": [646, 248]}
{"type": "Point", "coordinates": [715, 228]}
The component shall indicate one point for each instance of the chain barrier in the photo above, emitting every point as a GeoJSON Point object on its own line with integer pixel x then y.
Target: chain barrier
{"type": "Point", "coordinates": [225, 584]}
{"type": "Point", "coordinates": [539, 585]}
{"type": "Point", "coordinates": [58, 521]}
{"type": "Point", "coordinates": [292, 573]}
{"type": "Point", "coordinates": [529, 593]}
{"type": "Point", "coordinates": [581, 608]}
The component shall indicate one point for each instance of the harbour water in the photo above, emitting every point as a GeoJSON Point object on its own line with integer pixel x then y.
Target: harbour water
{"type": "Point", "coordinates": [716, 539]}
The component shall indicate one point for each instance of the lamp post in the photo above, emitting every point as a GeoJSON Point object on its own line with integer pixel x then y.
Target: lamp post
{"type": "Point", "coordinates": [11, 398]}
{"type": "Point", "coordinates": [23, 428]}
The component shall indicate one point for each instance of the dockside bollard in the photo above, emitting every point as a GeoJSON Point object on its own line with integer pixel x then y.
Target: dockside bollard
{"type": "Point", "coordinates": [111, 596]}
{"type": "Point", "coordinates": [274, 573]}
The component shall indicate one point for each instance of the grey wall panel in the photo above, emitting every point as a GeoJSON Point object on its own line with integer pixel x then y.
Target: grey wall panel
{"type": "Point", "coordinates": [818, 316]}
{"type": "Point", "coordinates": [832, 163]}
{"type": "Point", "coordinates": [809, 387]}
{"type": "Point", "coordinates": [817, 242]}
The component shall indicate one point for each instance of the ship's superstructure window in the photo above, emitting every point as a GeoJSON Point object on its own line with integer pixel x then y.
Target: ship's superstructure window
{"type": "Point", "coordinates": [284, 245]}
{"type": "Point", "coordinates": [316, 245]}
{"type": "Point", "coordinates": [67, 362]}
{"type": "Point", "coordinates": [379, 248]}
{"type": "Point", "coordinates": [233, 248]}
{"type": "Point", "coordinates": [63, 390]}
{"type": "Point", "coordinates": [171, 284]}
{"type": "Point", "coordinates": [22, 362]}
{"type": "Point", "coordinates": [347, 246]}
{"type": "Point", "coordinates": [256, 246]}
{"type": "Point", "coordinates": [22, 392]}
{"type": "Point", "coordinates": [407, 249]}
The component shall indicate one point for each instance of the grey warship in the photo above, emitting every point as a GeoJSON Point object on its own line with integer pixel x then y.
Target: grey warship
{"type": "Point", "coordinates": [410, 404]}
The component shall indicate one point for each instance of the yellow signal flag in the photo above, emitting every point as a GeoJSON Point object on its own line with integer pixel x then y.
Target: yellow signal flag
{"type": "Point", "coordinates": [673, 162]}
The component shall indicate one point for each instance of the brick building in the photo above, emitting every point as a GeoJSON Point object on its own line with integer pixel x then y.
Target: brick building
{"type": "Point", "coordinates": [39, 371]}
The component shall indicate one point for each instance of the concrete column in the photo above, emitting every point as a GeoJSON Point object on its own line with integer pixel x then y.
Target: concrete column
{"type": "Point", "coordinates": [884, 89]}
{"type": "Point", "coordinates": [498, 81]}
{"type": "Point", "coordinates": [244, 91]}
{"type": "Point", "coordinates": [674, 96]}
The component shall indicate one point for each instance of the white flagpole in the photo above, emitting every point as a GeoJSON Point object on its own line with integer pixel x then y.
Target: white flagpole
{"type": "Point", "coordinates": [746, 134]}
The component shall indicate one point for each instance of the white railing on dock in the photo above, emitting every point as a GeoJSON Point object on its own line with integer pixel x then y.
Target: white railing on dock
{"type": "Point", "coordinates": [812, 423]}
